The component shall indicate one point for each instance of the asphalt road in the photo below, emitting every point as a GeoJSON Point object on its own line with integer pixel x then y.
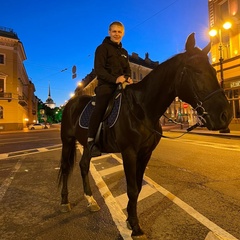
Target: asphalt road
{"type": "Point", "coordinates": [191, 187]}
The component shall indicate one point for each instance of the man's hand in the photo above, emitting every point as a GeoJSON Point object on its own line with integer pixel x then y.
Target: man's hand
{"type": "Point", "coordinates": [129, 80]}
{"type": "Point", "coordinates": [121, 79]}
{"type": "Point", "coordinates": [124, 79]}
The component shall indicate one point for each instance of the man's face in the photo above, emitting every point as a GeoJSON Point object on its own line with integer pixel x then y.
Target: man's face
{"type": "Point", "coordinates": [116, 33]}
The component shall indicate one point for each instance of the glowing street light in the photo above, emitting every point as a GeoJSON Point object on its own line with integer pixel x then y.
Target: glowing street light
{"type": "Point", "coordinates": [214, 32]}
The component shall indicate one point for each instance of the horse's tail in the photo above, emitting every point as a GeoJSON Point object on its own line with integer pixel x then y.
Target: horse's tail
{"type": "Point", "coordinates": [67, 160]}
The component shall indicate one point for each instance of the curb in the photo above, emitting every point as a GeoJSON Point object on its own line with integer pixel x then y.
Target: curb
{"type": "Point", "coordinates": [214, 236]}
{"type": "Point", "coordinates": [207, 133]}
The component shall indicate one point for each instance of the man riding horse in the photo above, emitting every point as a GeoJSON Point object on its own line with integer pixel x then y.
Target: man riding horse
{"type": "Point", "coordinates": [112, 68]}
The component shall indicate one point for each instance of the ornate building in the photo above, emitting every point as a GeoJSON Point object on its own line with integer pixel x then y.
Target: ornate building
{"type": "Point", "coordinates": [224, 18]}
{"type": "Point", "coordinates": [18, 104]}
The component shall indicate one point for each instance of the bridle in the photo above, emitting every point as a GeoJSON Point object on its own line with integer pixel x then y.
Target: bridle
{"type": "Point", "coordinates": [201, 112]}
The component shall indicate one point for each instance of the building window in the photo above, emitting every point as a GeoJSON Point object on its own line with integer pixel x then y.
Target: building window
{"type": "Point", "coordinates": [224, 13]}
{"type": "Point", "coordinates": [134, 75]}
{"type": "Point", "coordinates": [1, 112]}
{"type": "Point", "coordinates": [234, 99]}
{"type": "Point", "coordinates": [1, 87]}
{"type": "Point", "coordinates": [1, 59]}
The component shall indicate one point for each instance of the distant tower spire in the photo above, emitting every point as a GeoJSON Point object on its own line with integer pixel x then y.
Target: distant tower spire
{"type": "Point", "coordinates": [49, 102]}
{"type": "Point", "coordinates": [49, 94]}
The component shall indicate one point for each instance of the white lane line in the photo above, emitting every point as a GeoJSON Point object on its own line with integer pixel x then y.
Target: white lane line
{"type": "Point", "coordinates": [42, 149]}
{"type": "Point", "coordinates": [111, 170]}
{"type": "Point", "coordinates": [3, 155]}
{"type": "Point", "coordinates": [147, 191]}
{"type": "Point", "coordinates": [191, 211]}
{"type": "Point", "coordinates": [118, 215]}
{"type": "Point", "coordinates": [29, 151]}
{"type": "Point", "coordinates": [207, 144]}
{"type": "Point", "coordinates": [116, 212]}
{"type": "Point", "coordinates": [6, 183]}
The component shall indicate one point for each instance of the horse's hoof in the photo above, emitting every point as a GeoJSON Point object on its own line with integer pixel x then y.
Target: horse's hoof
{"type": "Point", "coordinates": [92, 204]}
{"type": "Point", "coordinates": [93, 207]}
{"type": "Point", "coordinates": [141, 237]}
{"type": "Point", "coordinates": [65, 208]}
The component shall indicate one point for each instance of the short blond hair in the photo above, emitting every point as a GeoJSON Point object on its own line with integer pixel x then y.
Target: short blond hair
{"type": "Point", "coordinates": [116, 23]}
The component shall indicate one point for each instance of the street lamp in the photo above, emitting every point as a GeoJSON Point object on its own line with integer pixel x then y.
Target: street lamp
{"type": "Point", "coordinates": [213, 33]}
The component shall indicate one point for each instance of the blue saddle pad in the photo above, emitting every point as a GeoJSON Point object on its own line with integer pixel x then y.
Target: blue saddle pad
{"type": "Point", "coordinates": [111, 118]}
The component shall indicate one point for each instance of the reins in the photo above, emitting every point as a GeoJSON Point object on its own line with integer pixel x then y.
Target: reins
{"type": "Point", "coordinates": [198, 124]}
{"type": "Point", "coordinates": [201, 112]}
{"type": "Point", "coordinates": [189, 129]}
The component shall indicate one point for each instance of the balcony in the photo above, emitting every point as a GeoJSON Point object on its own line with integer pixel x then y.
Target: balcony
{"type": "Point", "coordinates": [6, 96]}
{"type": "Point", "coordinates": [22, 100]}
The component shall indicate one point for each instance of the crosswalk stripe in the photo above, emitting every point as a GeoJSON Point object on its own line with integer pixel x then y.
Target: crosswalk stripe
{"type": "Point", "coordinates": [146, 192]}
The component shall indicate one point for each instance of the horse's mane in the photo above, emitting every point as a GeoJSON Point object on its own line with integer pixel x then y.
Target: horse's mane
{"type": "Point", "coordinates": [170, 63]}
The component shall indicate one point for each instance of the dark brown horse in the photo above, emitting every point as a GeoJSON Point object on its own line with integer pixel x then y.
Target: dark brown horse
{"type": "Point", "coordinates": [136, 133]}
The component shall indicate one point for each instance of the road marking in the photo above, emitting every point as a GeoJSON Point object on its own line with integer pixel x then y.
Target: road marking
{"type": "Point", "coordinates": [25, 140]}
{"type": "Point", "coordinates": [122, 200]}
{"type": "Point", "coordinates": [111, 170]}
{"type": "Point", "coordinates": [207, 144]}
{"type": "Point", "coordinates": [116, 212]}
{"type": "Point", "coordinates": [146, 191]}
{"type": "Point", "coordinates": [114, 204]}
{"type": "Point", "coordinates": [190, 210]}
{"type": "Point", "coordinates": [30, 151]}
{"type": "Point", "coordinates": [6, 183]}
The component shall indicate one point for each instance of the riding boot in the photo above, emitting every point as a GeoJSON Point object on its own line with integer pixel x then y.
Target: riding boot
{"type": "Point", "coordinates": [93, 149]}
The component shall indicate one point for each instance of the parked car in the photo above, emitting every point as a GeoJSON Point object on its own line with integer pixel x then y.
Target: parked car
{"type": "Point", "coordinates": [46, 126]}
{"type": "Point", "coordinates": [35, 126]}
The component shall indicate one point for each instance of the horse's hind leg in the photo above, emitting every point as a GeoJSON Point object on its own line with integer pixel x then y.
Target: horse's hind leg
{"type": "Point", "coordinates": [84, 167]}
{"type": "Point", "coordinates": [67, 162]}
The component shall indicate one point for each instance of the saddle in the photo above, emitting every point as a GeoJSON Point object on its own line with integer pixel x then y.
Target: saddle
{"type": "Point", "coordinates": [111, 113]}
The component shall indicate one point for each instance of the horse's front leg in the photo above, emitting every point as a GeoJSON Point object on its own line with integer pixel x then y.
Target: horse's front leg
{"type": "Point", "coordinates": [84, 167]}
{"type": "Point", "coordinates": [130, 168]}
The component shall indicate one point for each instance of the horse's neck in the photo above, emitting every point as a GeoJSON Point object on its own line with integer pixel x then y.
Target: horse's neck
{"type": "Point", "coordinates": [156, 92]}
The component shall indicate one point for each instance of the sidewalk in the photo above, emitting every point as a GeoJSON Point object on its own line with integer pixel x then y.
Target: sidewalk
{"type": "Point", "coordinates": [201, 131]}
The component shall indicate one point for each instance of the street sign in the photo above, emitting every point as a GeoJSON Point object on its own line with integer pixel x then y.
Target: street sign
{"type": "Point", "coordinates": [74, 70]}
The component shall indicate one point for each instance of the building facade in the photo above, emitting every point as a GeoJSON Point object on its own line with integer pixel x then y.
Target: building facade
{"type": "Point", "coordinates": [225, 51]}
{"type": "Point", "coordinates": [18, 104]}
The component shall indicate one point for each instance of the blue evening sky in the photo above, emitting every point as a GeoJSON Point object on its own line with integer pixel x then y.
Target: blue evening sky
{"type": "Point", "coordinates": [57, 35]}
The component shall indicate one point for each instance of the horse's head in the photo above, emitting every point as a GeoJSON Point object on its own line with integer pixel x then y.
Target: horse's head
{"type": "Point", "coordinates": [198, 86]}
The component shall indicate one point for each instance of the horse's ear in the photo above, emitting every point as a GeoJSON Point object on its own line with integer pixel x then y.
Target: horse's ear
{"type": "Point", "coordinates": [206, 50]}
{"type": "Point", "coordinates": [190, 43]}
